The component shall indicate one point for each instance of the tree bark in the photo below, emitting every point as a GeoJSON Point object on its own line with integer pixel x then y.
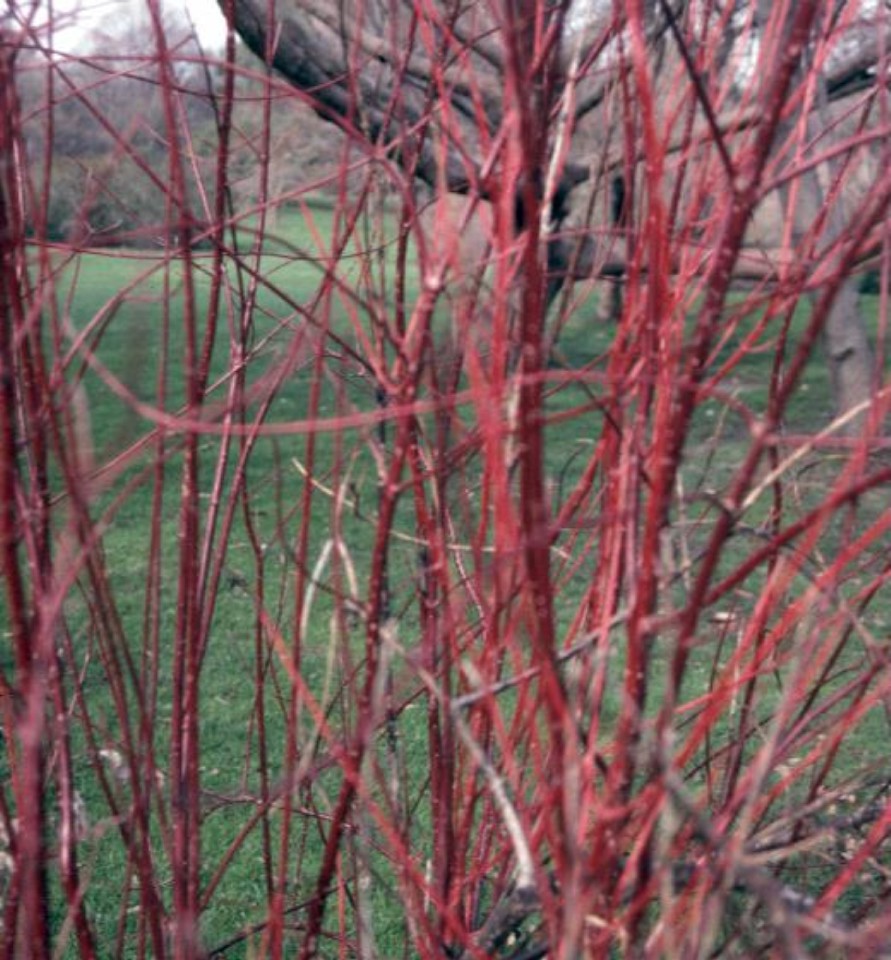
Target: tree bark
{"type": "Point", "coordinates": [850, 358]}
{"type": "Point", "coordinates": [361, 64]}
{"type": "Point", "coordinates": [849, 355]}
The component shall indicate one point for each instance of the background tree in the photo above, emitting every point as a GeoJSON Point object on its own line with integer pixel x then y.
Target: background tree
{"type": "Point", "coordinates": [462, 59]}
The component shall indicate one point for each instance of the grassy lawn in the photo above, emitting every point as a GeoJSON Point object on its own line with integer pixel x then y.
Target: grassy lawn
{"type": "Point", "coordinates": [141, 348]}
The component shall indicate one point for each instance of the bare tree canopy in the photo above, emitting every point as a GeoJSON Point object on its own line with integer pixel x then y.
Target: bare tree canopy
{"type": "Point", "coordinates": [441, 89]}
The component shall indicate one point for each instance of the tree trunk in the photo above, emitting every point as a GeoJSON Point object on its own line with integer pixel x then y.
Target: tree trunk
{"type": "Point", "coordinates": [849, 354]}
{"type": "Point", "coordinates": [850, 358]}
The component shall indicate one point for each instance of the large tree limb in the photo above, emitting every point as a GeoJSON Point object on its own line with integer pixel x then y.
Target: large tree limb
{"type": "Point", "coordinates": [430, 95]}
{"type": "Point", "coordinates": [369, 67]}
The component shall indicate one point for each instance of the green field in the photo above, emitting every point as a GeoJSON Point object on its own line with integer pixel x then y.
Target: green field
{"type": "Point", "coordinates": [139, 350]}
{"type": "Point", "coordinates": [140, 346]}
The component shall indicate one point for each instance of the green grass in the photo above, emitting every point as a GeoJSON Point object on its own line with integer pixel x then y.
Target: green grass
{"type": "Point", "coordinates": [130, 348]}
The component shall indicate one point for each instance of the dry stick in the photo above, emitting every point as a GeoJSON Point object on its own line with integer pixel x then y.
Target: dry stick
{"type": "Point", "coordinates": [722, 126]}
{"type": "Point", "coordinates": [715, 134]}
{"type": "Point", "coordinates": [839, 423]}
{"type": "Point", "coordinates": [286, 788]}
{"type": "Point", "coordinates": [258, 927]}
{"type": "Point", "coordinates": [786, 904]}
{"type": "Point", "coordinates": [367, 949]}
{"type": "Point", "coordinates": [585, 645]}
{"type": "Point", "coordinates": [525, 871]}
{"type": "Point", "coordinates": [309, 753]}
{"type": "Point", "coordinates": [522, 897]}
{"type": "Point", "coordinates": [354, 505]}
{"type": "Point", "coordinates": [794, 835]}
{"type": "Point", "coordinates": [564, 129]}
